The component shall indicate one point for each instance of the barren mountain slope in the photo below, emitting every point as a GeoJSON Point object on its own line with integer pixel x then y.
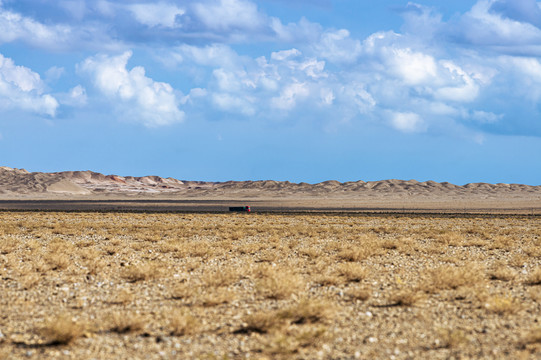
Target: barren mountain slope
{"type": "Point", "coordinates": [21, 184]}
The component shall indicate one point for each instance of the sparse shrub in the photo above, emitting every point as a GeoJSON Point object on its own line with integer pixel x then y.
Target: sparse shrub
{"type": "Point", "coordinates": [534, 278]}
{"type": "Point", "coordinates": [352, 272]}
{"type": "Point", "coordinates": [279, 284]}
{"type": "Point", "coordinates": [216, 296]}
{"type": "Point", "coordinates": [182, 323]}
{"type": "Point", "coordinates": [125, 323]}
{"type": "Point", "coordinates": [140, 272]}
{"type": "Point", "coordinates": [308, 311]}
{"type": "Point", "coordinates": [502, 272]}
{"type": "Point", "coordinates": [61, 330]}
{"type": "Point", "coordinates": [533, 251]}
{"type": "Point", "coordinates": [183, 290]}
{"type": "Point", "coordinates": [451, 338]}
{"type": "Point", "coordinates": [124, 296]}
{"type": "Point", "coordinates": [356, 253]}
{"type": "Point", "coordinates": [8, 245]}
{"type": "Point", "coordinates": [58, 261]}
{"type": "Point", "coordinates": [261, 322]}
{"type": "Point", "coordinates": [28, 281]}
{"type": "Point", "coordinates": [406, 297]}
{"type": "Point", "coordinates": [501, 242]}
{"type": "Point", "coordinates": [533, 336]}
{"type": "Point", "coordinates": [270, 255]}
{"type": "Point", "coordinates": [359, 293]}
{"type": "Point", "coordinates": [452, 277]}
{"type": "Point", "coordinates": [502, 305]}
{"type": "Point", "coordinates": [223, 276]}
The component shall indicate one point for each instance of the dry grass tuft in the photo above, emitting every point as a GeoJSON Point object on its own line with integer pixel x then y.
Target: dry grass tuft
{"type": "Point", "coordinates": [406, 297]}
{"type": "Point", "coordinates": [360, 293]}
{"type": "Point", "coordinates": [123, 323]}
{"type": "Point", "coordinates": [358, 252]}
{"type": "Point", "coordinates": [58, 261]}
{"type": "Point", "coordinates": [279, 284]}
{"type": "Point", "coordinates": [308, 311]}
{"type": "Point", "coordinates": [451, 338]}
{"type": "Point", "coordinates": [124, 296]}
{"type": "Point", "coordinates": [285, 345]}
{"type": "Point", "coordinates": [8, 245]}
{"type": "Point", "coordinates": [184, 290]}
{"type": "Point", "coordinates": [503, 273]}
{"type": "Point", "coordinates": [182, 323]}
{"type": "Point", "coordinates": [221, 277]}
{"type": "Point", "coordinates": [61, 330]}
{"type": "Point", "coordinates": [534, 278]}
{"type": "Point", "coordinates": [214, 297]}
{"type": "Point", "coordinates": [141, 272]}
{"type": "Point", "coordinates": [533, 336]}
{"type": "Point", "coordinates": [452, 277]}
{"type": "Point", "coordinates": [502, 305]}
{"type": "Point", "coordinates": [261, 322]}
{"type": "Point", "coordinates": [352, 272]}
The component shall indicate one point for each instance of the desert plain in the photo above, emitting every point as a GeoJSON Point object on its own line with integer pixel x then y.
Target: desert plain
{"type": "Point", "coordinates": [324, 271]}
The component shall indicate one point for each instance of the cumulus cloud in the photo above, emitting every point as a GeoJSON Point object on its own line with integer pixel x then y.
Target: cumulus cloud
{"type": "Point", "coordinates": [496, 25]}
{"type": "Point", "coordinates": [338, 47]}
{"type": "Point", "coordinates": [21, 88]}
{"type": "Point", "coordinates": [157, 14]}
{"type": "Point", "coordinates": [228, 14]}
{"type": "Point", "coordinates": [429, 72]}
{"type": "Point", "coordinates": [14, 26]}
{"type": "Point", "coordinates": [76, 96]}
{"type": "Point", "coordinates": [135, 95]}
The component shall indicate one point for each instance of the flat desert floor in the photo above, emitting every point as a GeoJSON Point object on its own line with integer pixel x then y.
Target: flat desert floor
{"type": "Point", "coordinates": [117, 285]}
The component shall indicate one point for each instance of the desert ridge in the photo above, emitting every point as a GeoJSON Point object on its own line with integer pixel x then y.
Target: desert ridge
{"type": "Point", "coordinates": [20, 181]}
{"type": "Point", "coordinates": [20, 184]}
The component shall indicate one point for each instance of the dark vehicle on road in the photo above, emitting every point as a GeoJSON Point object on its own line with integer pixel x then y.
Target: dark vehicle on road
{"type": "Point", "coordinates": [240, 209]}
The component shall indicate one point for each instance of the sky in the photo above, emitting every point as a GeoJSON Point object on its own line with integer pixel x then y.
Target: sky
{"type": "Point", "coordinates": [297, 90]}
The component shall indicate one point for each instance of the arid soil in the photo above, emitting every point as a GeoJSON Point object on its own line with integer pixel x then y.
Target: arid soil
{"type": "Point", "coordinates": [228, 286]}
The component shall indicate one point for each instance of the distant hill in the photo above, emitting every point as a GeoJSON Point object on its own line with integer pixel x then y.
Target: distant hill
{"type": "Point", "coordinates": [19, 182]}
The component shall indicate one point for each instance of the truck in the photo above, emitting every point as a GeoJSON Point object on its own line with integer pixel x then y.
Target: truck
{"type": "Point", "coordinates": [240, 209]}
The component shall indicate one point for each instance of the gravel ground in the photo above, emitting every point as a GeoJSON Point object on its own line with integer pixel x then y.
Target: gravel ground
{"type": "Point", "coordinates": [228, 286]}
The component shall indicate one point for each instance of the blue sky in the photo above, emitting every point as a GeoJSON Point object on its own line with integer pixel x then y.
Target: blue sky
{"type": "Point", "coordinates": [302, 90]}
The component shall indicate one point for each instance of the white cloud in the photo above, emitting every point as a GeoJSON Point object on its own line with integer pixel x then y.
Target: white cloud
{"type": "Point", "coordinates": [327, 96]}
{"type": "Point", "coordinates": [54, 73]}
{"type": "Point", "coordinates": [78, 95]}
{"type": "Point", "coordinates": [290, 95]}
{"type": "Point", "coordinates": [413, 68]}
{"type": "Point", "coordinates": [486, 117]}
{"type": "Point", "coordinates": [21, 88]}
{"type": "Point", "coordinates": [139, 97]}
{"type": "Point", "coordinates": [466, 89]}
{"type": "Point", "coordinates": [215, 55]}
{"type": "Point", "coordinates": [14, 26]}
{"type": "Point", "coordinates": [157, 14]}
{"type": "Point", "coordinates": [338, 47]}
{"type": "Point", "coordinates": [407, 122]}
{"type": "Point", "coordinates": [229, 14]}
{"type": "Point", "coordinates": [285, 54]}
{"type": "Point", "coordinates": [234, 104]}
{"type": "Point", "coordinates": [483, 26]}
